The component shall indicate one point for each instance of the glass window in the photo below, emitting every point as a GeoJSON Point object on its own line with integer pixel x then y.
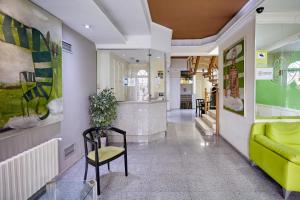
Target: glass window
{"type": "Point", "coordinates": [134, 75]}
{"type": "Point", "coordinates": [277, 70]}
{"type": "Point", "coordinates": [126, 71]}
{"type": "Point", "coordinates": [293, 75]}
{"type": "Point", "coordinates": [157, 75]}
{"type": "Point", "coordinates": [142, 83]}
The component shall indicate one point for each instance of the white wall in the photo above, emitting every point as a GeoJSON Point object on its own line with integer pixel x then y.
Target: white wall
{"type": "Point", "coordinates": [173, 83]}
{"type": "Point", "coordinates": [103, 70]}
{"type": "Point", "coordinates": [200, 84]}
{"type": "Point", "coordinates": [161, 38]}
{"type": "Point", "coordinates": [79, 81]}
{"type": "Point", "coordinates": [186, 89]}
{"type": "Point", "coordinates": [118, 71]}
{"type": "Point", "coordinates": [177, 65]}
{"type": "Point", "coordinates": [235, 128]}
{"type": "Point", "coordinates": [17, 141]}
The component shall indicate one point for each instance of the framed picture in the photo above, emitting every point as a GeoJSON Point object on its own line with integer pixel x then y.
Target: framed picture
{"type": "Point", "coordinates": [234, 77]}
{"type": "Point", "coordinates": [160, 74]}
{"type": "Point", "coordinates": [30, 66]}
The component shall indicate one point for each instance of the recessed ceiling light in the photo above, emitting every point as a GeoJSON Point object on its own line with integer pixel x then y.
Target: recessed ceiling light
{"type": "Point", "coordinates": [158, 57]}
{"type": "Point", "coordinates": [87, 26]}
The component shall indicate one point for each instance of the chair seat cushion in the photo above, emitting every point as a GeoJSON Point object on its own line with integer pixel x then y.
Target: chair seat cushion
{"type": "Point", "coordinates": [106, 153]}
{"type": "Point", "coordinates": [284, 132]}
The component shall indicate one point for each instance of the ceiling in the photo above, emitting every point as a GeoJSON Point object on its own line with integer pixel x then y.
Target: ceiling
{"type": "Point", "coordinates": [142, 55]}
{"type": "Point", "coordinates": [105, 17]}
{"type": "Point", "coordinates": [101, 31]}
{"type": "Point", "coordinates": [131, 24]}
{"type": "Point", "coordinates": [194, 19]}
{"type": "Point", "coordinates": [132, 55]}
{"type": "Point", "coordinates": [204, 50]}
{"type": "Point", "coordinates": [291, 47]}
{"type": "Point", "coordinates": [281, 6]}
{"type": "Point", "coordinates": [203, 62]}
{"type": "Point", "coordinates": [267, 35]}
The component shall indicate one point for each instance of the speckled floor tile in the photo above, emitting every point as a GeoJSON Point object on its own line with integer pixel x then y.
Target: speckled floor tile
{"type": "Point", "coordinates": [185, 165]}
{"type": "Point", "coordinates": [214, 195]}
{"type": "Point", "coordinates": [170, 195]}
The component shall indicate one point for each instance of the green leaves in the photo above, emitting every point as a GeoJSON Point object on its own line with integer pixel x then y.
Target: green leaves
{"type": "Point", "coordinates": [103, 108]}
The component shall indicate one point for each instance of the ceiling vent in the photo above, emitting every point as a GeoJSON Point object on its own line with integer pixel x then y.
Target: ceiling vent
{"type": "Point", "coordinates": [67, 47]}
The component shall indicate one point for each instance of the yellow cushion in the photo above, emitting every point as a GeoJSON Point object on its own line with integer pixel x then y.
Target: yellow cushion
{"type": "Point", "coordinates": [106, 153]}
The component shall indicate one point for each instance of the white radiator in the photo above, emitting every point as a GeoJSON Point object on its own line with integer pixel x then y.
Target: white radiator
{"type": "Point", "coordinates": [24, 174]}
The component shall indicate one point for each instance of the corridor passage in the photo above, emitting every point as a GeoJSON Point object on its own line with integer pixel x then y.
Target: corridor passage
{"type": "Point", "coordinates": [185, 165]}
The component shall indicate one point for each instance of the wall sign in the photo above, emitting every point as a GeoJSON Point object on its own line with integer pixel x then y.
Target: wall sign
{"type": "Point", "coordinates": [261, 58]}
{"type": "Point", "coordinates": [264, 73]}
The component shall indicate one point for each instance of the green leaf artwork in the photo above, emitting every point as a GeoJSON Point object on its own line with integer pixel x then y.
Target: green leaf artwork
{"type": "Point", "coordinates": [234, 78]}
{"type": "Point", "coordinates": [30, 66]}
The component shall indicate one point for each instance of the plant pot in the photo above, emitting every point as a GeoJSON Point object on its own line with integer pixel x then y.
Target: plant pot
{"type": "Point", "coordinates": [103, 141]}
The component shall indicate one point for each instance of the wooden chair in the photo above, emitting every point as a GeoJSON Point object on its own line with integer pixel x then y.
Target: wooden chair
{"type": "Point", "coordinates": [199, 106]}
{"type": "Point", "coordinates": [97, 155]}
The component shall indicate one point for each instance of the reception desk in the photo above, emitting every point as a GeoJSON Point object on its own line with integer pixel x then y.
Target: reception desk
{"type": "Point", "coordinates": [143, 121]}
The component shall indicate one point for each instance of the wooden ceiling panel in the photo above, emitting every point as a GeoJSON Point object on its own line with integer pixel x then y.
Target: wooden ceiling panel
{"type": "Point", "coordinates": [194, 19]}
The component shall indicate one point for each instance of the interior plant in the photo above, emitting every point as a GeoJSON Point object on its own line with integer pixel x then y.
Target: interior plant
{"type": "Point", "coordinates": [103, 109]}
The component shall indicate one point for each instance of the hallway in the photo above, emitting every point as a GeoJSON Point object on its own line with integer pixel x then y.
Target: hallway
{"type": "Point", "coordinates": [185, 165]}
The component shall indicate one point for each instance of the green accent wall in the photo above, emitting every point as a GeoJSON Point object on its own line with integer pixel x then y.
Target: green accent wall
{"type": "Point", "coordinates": [270, 93]}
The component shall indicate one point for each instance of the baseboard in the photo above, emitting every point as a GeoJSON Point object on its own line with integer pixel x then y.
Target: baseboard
{"type": "Point", "coordinates": [238, 151]}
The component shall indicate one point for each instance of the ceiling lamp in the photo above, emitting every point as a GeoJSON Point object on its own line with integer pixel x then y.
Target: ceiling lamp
{"type": "Point", "coordinates": [87, 26]}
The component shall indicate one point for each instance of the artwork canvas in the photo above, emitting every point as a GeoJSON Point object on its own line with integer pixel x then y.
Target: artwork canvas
{"type": "Point", "coordinates": [30, 66]}
{"type": "Point", "coordinates": [234, 78]}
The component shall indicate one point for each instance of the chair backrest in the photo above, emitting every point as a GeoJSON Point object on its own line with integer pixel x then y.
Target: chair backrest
{"type": "Point", "coordinates": [93, 134]}
{"type": "Point", "coordinates": [199, 102]}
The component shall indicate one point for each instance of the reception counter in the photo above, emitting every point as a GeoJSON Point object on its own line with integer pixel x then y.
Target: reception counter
{"type": "Point", "coordinates": [144, 121]}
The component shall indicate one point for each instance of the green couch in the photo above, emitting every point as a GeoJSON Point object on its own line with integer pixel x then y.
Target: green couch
{"type": "Point", "coordinates": [275, 148]}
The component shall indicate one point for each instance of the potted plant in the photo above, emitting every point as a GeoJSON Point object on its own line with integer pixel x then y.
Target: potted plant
{"type": "Point", "coordinates": [103, 110]}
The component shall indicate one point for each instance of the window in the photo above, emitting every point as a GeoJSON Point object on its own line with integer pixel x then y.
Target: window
{"type": "Point", "coordinates": [142, 73]}
{"type": "Point", "coordinates": [293, 74]}
{"type": "Point", "coordinates": [134, 75]}
{"type": "Point", "coordinates": [142, 85]}
{"type": "Point", "coordinates": [277, 71]}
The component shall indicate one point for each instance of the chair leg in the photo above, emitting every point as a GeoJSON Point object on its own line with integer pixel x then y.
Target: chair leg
{"type": "Point", "coordinates": [98, 180]}
{"type": "Point", "coordinates": [285, 193]}
{"type": "Point", "coordinates": [125, 163]}
{"type": "Point", "coordinates": [86, 170]}
{"type": "Point", "coordinates": [252, 163]}
{"type": "Point", "coordinates": [108, 166]}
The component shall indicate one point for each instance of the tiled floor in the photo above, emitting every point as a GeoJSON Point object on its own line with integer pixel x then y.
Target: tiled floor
{"type": "Point", "coordinates": [185, 165]}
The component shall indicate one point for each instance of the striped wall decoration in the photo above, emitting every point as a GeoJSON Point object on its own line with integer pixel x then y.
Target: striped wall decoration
{"type": "Point", "coordinates": [16, 33]}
